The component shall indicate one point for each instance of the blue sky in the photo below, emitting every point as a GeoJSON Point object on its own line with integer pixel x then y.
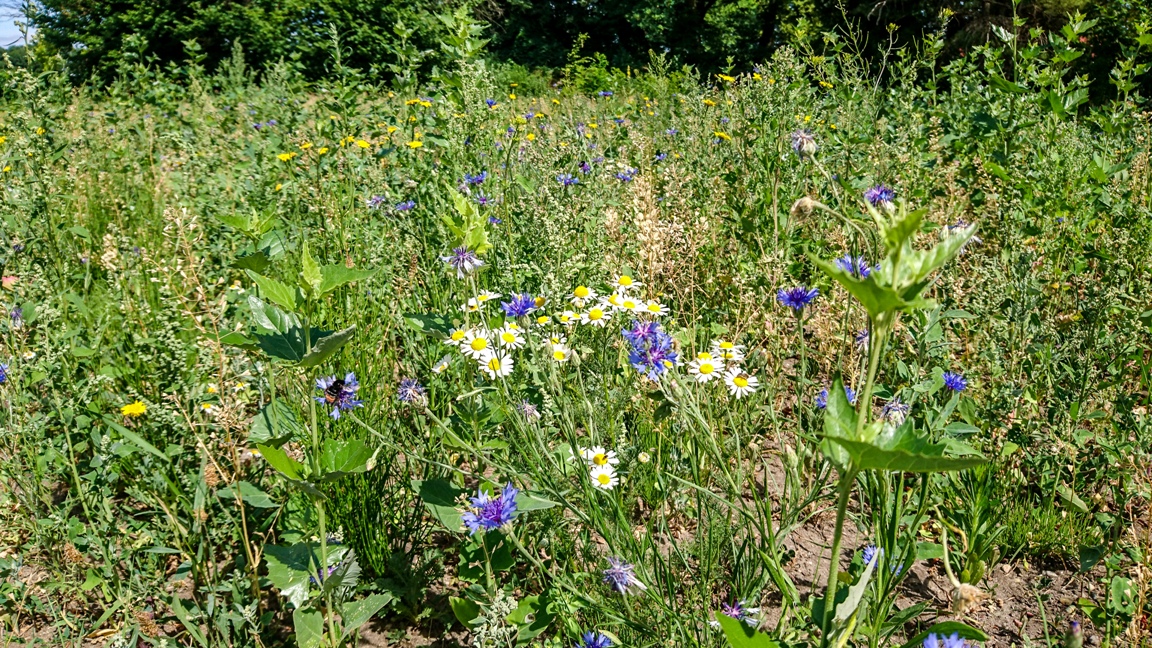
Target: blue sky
{"type": "Point", "coordinates": [8, 31]}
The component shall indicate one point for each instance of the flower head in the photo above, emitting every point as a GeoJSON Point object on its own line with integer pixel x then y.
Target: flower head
{"type": "Point", "coordinates": [3, 372]}
{"type": "Point", "coordinates": [464, 260]}
{"type": "Point", "coordinates": [487, 513]}
{"type": "Point", "coordinates": [796, 298]}
{"type": "Point", "coordinates": [652, 353]}
{"type": "Point", "coordinates": [567, 179]}
{"type": "Point", "coordinates": [520, 305]}
{"type": "Point", "coordinates": [706, 369]}
{"type": "Point", "coordinates": [132, 410]}
{"type": "Point", "coordinates": [740, 383]}
{"type": "Point", "coordinates": [803, 142]}
{"type": "Point", "coordinates": [339, 393]}
{"type": "Point", "coordinates": [822, 397]}
{"type": "Point", "coordinates": [604, 477]}
{"type": "Point", "coordinates": [895, 411]}
{"type": "Point", "coordinates": [407, 205]}
{"type": "Point", "coordinates": [880, 196]}
{"type": "Point", "coordinates": [621, 576]}
{"type": "Point", "coordinates": [955, 381]}
{"type": "Point", "coordinates": [528, 410]}
{"type": "Point", "coordinates": [856, 266]}
{"type": "Point", "coordinates": [490, 102]}
{"type": "Point", "coordinates": [477, 179]}
{"type": "Point", "coordinates": [410, 391]}
{"type": "Point", "coordinates": [496, 364]}
{"type": "Point", "coordinates": [594, 640]}
{"type": "Point", "coordinates": [627, 175]}
{"type": "Point", "coordinates": [940, 641]}
{"type": "Point", "coordinates": [375, 202]}
{"type": "Point", "coordinates": [740, 612]}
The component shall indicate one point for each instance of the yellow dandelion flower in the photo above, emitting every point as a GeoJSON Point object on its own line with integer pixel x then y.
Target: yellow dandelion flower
{"type": "Point", "coordinates": [756, 76]}
{"type": "Point", "coordinates": [306, 145]}
{"type": "Point", "coordinates": [284, 157]}
{"type": "Point", "coordinates": [322, 150]}
{"type": "Point", "coordinates": [133, 410]}
{"type": "Point", "coordinates": [725, 77]}
{"type": "Point", "coordinates": [363, 144]}
{"type": "Point", "coordinates": [511, 95]}
{"type": "Point", "coordinates": [7, 168]}
{"type": "Point", "coordinates": [709, 102]}
{"type": "Point", "coordinates": [530, 137]}
{"type": "Point", "coordinates": [392, 129]}
{"type": "Point", "coordinates": [722, 135]}
{"type": "Point", "coordinates": [415, 144]}
{"type": "Point", "coordinates": [556, 101]}
{"type": "Point", "coordinates": [279, 186]}
{"type": "Point", "coordinates": [40, 131]}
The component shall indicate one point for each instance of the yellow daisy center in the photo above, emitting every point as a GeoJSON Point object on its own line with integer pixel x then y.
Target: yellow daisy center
{"type": "Point", "coordinates": [727, 345]}
{"type": "Point", "coordinates": [542, 319]}
{"type": "Point", "coordinates": [581, 292]}
{"type": "Point", "coordinates": [559, 355]}
{"type": "Point", "coordinates": [625, 280]}
{"type": "Point", "coordinates": [703, 355]}
{"type": "Point", "coordinates": [740, 381]}
{"type": "Point", "coordinates": [655, 308]}
{"type": "Point", "coordinates": [595, 314]}
{"type": "Point", "coordinates": [508, 337]}
{"type": "Point", "coordinates": [539, 301]}
{"type": "Point", "coordinates": [457, 336]}
{"type": "Point", "coordinates": [630, 305]}
{"type": "Point", "coordinates": [479, 344]}
{"type": "Point", "coordinates": [600, 459]}
{"type": "Point", "coordinates": [604, 479]}
{"type": "Point", "coordinates": [494, 364]}
{"type": "Point", "coordinates": [707, 368]}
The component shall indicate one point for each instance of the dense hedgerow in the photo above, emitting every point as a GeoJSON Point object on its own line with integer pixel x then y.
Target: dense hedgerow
{"type": "Point", "coordinates": [572, 368]}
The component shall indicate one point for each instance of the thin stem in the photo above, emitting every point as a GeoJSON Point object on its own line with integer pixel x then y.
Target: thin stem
{"type": "Point", "coordinates": [846, 482]}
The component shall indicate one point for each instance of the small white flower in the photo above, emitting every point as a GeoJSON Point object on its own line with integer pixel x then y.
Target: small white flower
{"type": "Point", "coordinates": [487, 295]}
{"type": "Point", "coordinates": [510, 338]}
{"type": "Point", "coordinates": [630, 304]}
{"type": "Point", "coordinates": [582, 295]}
{"type": "Point", "coordinates": [476, 343]}
{"type": "Point", "coordinates": [496, 365]}
{"type": "Point", "coordinates": [625, 282]}
{"type": "Point", "coordinates": [604, 477]}
{"type": "Point", "coordinates": [568, 318]}
{"type": "Point", "coordinates": [655, 308]}
{"type": "Point", "coordinates": [543, 320]}
{"type": "Point", "coordinates": [598, 456]}
{"type": "Point", "coordinates": [596, 316]}
{"type": "Point", "coordinates": [442, 365]}
{"type": "Point", "coordinates": [705, 370]}
{"type": "Point", "coordinates": [455, 337]}
{"type": "Point", "coordinates": [643, 457]}
{"type": "Point", "coordinates": [740, 383]}
{"type": "Point", "coordinates": [560, 353]}
{"type": "Point", "coordinates": [728, 350]}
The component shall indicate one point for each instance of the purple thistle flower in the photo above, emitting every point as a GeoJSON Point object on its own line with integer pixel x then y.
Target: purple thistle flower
{"type": "Point", "coordinates": [880, 196]}
{"type": "Point", "coordinates": [375, 202]}
{"type": "Point", "coordinates": [487, 513]}
{"type": "Point", "coordinates": [410, 391]}
{"type": "Point", "coordinates": [521, 305]}
{"type": "Point", "coordinates": [464, 260]}
{"type": "Point", "coordinates": [803, 142]}
{"type": "Point", "coordinates": [796, 298]}
{"type": "Point", "coordinates": [339, 394]}
{"type": "Point", "coordinates": [955, 381]}
{"type": "Point", "coordinates": [822, 397]}
{"type": "Point", "coordinates": [567, 179]}
{"type": "Point", "coordinates": [479, 178]}
{"type": "Point", "coordinates": [622, 577]}
{"type": "Point", "coordinates": [407, 205]}
{"type": "Point", "coordinates": [740, 612]}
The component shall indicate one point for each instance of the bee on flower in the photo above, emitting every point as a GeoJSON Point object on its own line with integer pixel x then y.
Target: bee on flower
{"type": "Point", "coordinates": [599, 456]}
{"type": "Point", "coordinates": [473, 305]}
{"type": "Point", "coordinates": [598, 316]}
{"type": "Point", "coordinates": [740, 383]}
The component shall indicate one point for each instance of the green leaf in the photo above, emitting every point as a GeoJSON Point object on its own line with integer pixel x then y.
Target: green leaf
{"type": "Point", "coordinates": [249, 493]}
{"type": "Point", "coordinates": [290, 570]}
{"type": "Point", "coordinates": [741, 635]}
{"type": "Point", "coordinates": [1089, 556]}
{"type": "Point", "coordinates": [531, 617]}
{"type": "Point", "coordinates": [346, 574]}
{"type": "Point", "coordinates": [280, 460]}
{"type": "Point", "coordinates": [440, 497]}
{"type": "Point", "coordinates": [239, 339]}
{"type": "Point", "coordinates": [947, 629]}
{"type": "Point", "coordinates": [324, 347]}
{"type": "Point", "coordinates": [268, 319]}
{"type": "Point", "coordinates": [309, 271]}
{"type": "Point", "coordinates": [465, 610]}
{"type": "Point", "coordinates": [357, 613]}
{"type": "Point", "coordinates": [274, 425]}
{"type": "Point", "coordinates": [83, 352]}
{"type": "Point", "coordinates": [278, 293]}
{"type": "Point", "coordinates": [179, 608]}
{"type": "Point", "coordinates": [135, 439]}
{"type": "Point", "coordinates": [848, 606]}
{"type": "Point", "coordinates": [1070, 499]}
{"type": "Point", "coordinates": [334, 276]}
{"type": "Point", "coordinates": [342, 457]}
{"type": "Point", "coordinates": [529, 502]}
{"type": "Point", "coordinates": [839, 421]}
{"type": "Point", "coordinates": [903, 229]}
{"type": "Point", "coordinates": [1121, 597]}
{"type": "Point", "coordinates": [256, 262]}
{"type": "Point", "coordinates": [309, 625]}
{"type": "Point", "coordinates": [439, 325]}
{"type": "Point", "coordinates": [875, 298]}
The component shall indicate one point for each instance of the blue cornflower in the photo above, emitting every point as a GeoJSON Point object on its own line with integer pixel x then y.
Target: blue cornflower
{"type": "Point", "coordinates": [854, 265]}
{"type": "Point", "coordinates": [940, 641]}
{"type": "Point", "coordinates": [622, 576]}
{"type": "Point", "coordinates": [627, 175]}
{"type": "Point", "coordinates": [585, 167]}
{"type": "Point", "coordinates": [375, 202]}
{"type": "Point", "coordinates": [955, 381]}
{"type": "Point", "coordinates": [3, 372]}
{"type": "Point", "coordinates": [520, 305]}
{"type": "Point", "coordinates": [869, 552]}
{"type": "Point", "coordinates": [671, 132]}
{"type": "Point", "coordinates": [880, 196]}
{"type": "Point", "coordinates": [861, 338]}
{"type": "Point", "coordinates": [271, 122]}
{"type": "Point", "coordinates": [339, 393]}
{"type": "Point", "coordinates": [17, 316]}
{"type": "Point", "coordinates": [618, 120]}
{"type": "Point", "coordinates": [464, 260]}
{"type": "Point", "coordinates": [529, 115]}
{"type": "Point", "coordinates": [407, 205]}
{"type": "Point", "coordinates": [594, 640]}
{"type": "Point", "coordinates": [796, 298]}
{"type": "Point", "coordinates": [895, 411]}
{"type": "Point", "coordinates": [492, 220]}
{"type": "Point", "coordinates": [479, 178]}
{"type": "Point", "coordinates": [660, 157]}
{"type": "Point", "coordinates": [740, 612]}
{"type": "Point", "coordinates": [487, 513]}
{"type": "Point", "coordinates": [605, 93]}
{"type": "Point", "coordinates": [567, 179]}
{"type": "Point", "coordinates": [481, 199]}
{"type": "Point", "coordinates": [822, 397]}
{"type": "Point", "coordinates": [652, 352]}
{"type": "Point", "coordinates": [319, 577]}
{"type": "Point", "coordinates": [410, 391]}
{"type": "Point", "coordinates": [803, 142]}
{"type": "Point", "coordinates": [491, 102]}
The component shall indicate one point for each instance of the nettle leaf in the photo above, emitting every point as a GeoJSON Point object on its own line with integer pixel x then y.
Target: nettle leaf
{"type": "Point", "coordinates": [280, 460]}
{"type": "Point", "coordinates": [441, 499]}
{"type": "Point", "coordinates": [325, 346]}
{"type": "Point", "coordinates": [274, 425]}
{"type": "Point", "coordinates": [334, 276]}
{"type": "Point", "coordinates": [290, 570]}
{"type": "Point", "coordinates": [281, 294]}
{"type": "Point", "coordinates": [341, 457]}
{"type": "Point", "coordinates": [741, 635]}
{"type": "Point", "coordinates": [309, 625]}
{"type": "Point", "coordinates": [357, 613]}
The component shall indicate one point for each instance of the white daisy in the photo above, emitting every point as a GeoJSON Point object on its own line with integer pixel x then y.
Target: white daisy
{"type": "Point", "coordinates": [540, 301]}
{"type": "Point", "coordinates": [509, 338]}
{"type": "Point", "coordinates": [474, 305]}
{"type": "Point", "coordinates": [442, 365]}
{"type": "Point", "coordinates": [497, 365]}
{"type": "Point", "coordinates": [557, 340]}
{"type": "Point", "coordinates": [706, 370]}
{"type": "Point", "coordinates": [596, 316]}
{"type": "Point", "coordinates": [568, 318]}
{"type": "Point", "coordinates": [630, 304]}
{"type": "Point", "coordinates": [740, 383]}
{"type": "Point", "coordinates": [604, 477]}
{"type": "Point", "coordinates": [625, 282]}
{"type": "Point", "coordinates": [615, 299]}
{"type": "Point", "coordinates": [728, 350]}
{"type": "Point", "coordinates": [598, 456]}
{"type": "Point", "coordinates": [561, 353]}
{"type": "Point", "coordinates": [582, 295]}
{"type": "Point", "coordinates": [487, 295]}
{"type": "Point", "coordinates": [655, 308]}
{"type": "Point", "coordinates": [543, 320]}
{"type": "Point", "coordinates": [476, 344]}
{"type": "Point", "coordinates": [455, 337]}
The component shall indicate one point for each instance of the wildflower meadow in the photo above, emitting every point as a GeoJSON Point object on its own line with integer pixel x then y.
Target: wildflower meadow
{"type": "Point", "coordinates": [807, 354]}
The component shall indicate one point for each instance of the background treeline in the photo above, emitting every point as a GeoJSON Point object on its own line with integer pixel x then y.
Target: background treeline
{"type": "Point", "coordinates": [97, 38]}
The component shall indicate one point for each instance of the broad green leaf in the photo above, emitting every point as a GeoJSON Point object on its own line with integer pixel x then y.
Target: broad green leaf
{"type": "Point", "coordinates": [309, 271]}
{"type": "Point", "coordinates": [179, 608]}
{"type": "Point", "coordinates": [274, 425]}
{"type": "Point", "coordinates": [342, 457]}
{"type": "Point", "coordinates": [529, 502]}
{"type": "Point", "coordinates": [919, 264]}
{"type": "Point", "coordinates": [465, 610]}
{"type": "Point", "coordinates": [235, 221]}
{"type": "Point", "coordinates": [346, 574]}
{"type": "Point", "coordinates": [439, 325]}
{"type": "Point", "coordinates": [334, 276]}
{"type": "Point", "coordinates": [250, 493]}
{"type": "Point", "coordinates": [268, 319]}
{"type": "Point", "coordinates": [848, 606]}
{"type": "Point", "coordinates": [875, 298]}
{"type": "Point", "coordinates": [289, 345]}
{"type": "Point", "coordinates": [900, 450]}
{"type": "Point", "coordinates": [903, 228]}
{"type": "Point", "coordinates": [1070, 499]}
{"type": "Point", "coordinates": [531, 617]}
{"type": "Point", "coordinates": [357, 613]}
{"type": "Point", "coordinates": [240, 340]}
{"type": "Point", "coordinates": [256, 262]}
{"type": "Point", "coordinates": [839, 421]}
{"type": "Point", "coordinates": [947, 629]}
{"type": "Point", "coordinates": [324, 347]}
{"type": "Point", "coordinates": [309, 625]}
{"type": "Point", "coordinates": [290, 570]}
{"type": "Point", "coordinates": [135, 439]}
{"type": "Point", "coordinates": [441, 498]}
{"type": "Point", "coordinates": [278, 293]}
{"type": "Point", "coordinates": [280, 460]}
{"type": "Point", "coordinates": [741, 635]}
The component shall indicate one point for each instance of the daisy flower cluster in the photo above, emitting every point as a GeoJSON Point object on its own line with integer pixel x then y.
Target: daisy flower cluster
{"type": "Point", "coordinates": [722, 362]}
{"type": "Point", "coordinates": [601, 465]}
